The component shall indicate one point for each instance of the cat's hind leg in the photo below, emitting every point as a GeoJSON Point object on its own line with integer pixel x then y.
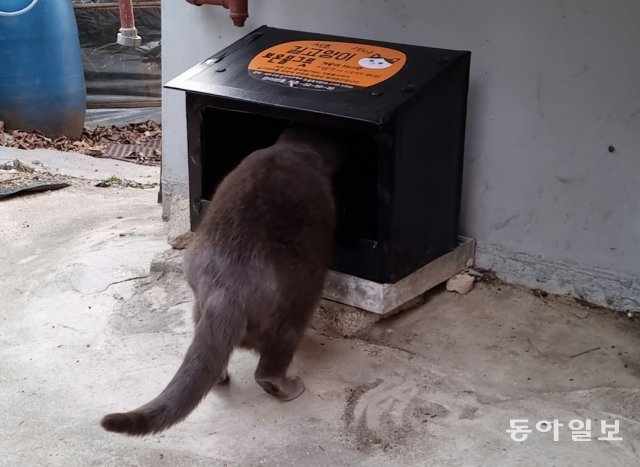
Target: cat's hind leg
{"type": "Point", "coordinates": [271, 373]}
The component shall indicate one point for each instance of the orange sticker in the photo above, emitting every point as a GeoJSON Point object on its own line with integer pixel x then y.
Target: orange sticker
{"type": "Point", "coordinates": [326, 66]}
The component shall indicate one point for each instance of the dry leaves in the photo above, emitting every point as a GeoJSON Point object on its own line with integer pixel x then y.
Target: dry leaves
{"type": "Point", "coordinates": [94, 141]}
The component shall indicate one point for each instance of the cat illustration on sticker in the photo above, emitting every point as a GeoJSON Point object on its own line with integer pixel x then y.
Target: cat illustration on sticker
{"type": "Point", "coordinates": [377, 62]}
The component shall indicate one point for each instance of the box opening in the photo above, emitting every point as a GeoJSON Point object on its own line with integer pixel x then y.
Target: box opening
{"type": "Point", "coordinates": [355, 184]}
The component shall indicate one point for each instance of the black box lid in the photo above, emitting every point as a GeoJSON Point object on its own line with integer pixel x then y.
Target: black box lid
{"type": "Point", "coordinates": [352, 78]}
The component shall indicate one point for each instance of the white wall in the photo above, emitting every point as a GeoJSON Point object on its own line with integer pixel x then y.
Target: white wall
{"type": "Point", "coordinates": [554, 84]}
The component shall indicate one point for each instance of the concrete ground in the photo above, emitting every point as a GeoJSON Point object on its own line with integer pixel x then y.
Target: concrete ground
{"type": "Point", "coordinates": [88, 327]}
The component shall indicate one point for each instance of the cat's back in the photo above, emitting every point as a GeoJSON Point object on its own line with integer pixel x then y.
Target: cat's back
{"type": "Point", "coordinates": [277, 197]}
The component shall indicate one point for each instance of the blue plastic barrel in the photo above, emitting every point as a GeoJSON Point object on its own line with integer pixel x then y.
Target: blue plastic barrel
{"type": "Point", "coordinates": [42, 83]}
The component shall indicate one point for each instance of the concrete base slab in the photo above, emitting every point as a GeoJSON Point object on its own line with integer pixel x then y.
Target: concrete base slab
{"type": "Point", "coordinates": [384, 299]}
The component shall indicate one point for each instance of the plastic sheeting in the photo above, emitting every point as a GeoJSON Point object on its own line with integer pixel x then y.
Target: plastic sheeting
{"type": "Point", "coordinates": [116, 74]}
{"type": "Point", "coordinates": [106, 117]}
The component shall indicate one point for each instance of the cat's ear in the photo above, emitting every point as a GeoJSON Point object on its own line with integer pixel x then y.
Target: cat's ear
{"type": "Point", "coordinates": [392, 60]}
{"type": "Point", "coordinates": [375, 56]}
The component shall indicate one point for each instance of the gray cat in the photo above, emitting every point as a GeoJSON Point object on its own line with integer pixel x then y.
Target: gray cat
{"type": "Point", "coordinates": [257, 267]}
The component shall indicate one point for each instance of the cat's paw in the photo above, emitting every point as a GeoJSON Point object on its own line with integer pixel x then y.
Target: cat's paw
{"type": "Point", "coordinates": [283, 388]}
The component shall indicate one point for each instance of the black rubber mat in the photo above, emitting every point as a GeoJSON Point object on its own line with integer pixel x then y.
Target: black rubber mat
{"type": "Point", "coordinates": [19, 190]}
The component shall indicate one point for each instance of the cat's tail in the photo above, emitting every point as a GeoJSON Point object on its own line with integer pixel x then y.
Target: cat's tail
{"type": "Point", "coordinates": [202, 367]}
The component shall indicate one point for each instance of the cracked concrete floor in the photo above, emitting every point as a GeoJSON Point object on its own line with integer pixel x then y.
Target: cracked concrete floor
{"type": "Point", "coordinates": [436, 385]}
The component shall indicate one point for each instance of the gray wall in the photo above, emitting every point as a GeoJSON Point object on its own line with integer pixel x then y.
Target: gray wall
{"type": "Point", "coordinates": [554, 84]}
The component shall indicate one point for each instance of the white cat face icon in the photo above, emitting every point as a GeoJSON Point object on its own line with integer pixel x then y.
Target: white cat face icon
{"type": "Point", "coordinates": [377, 62]}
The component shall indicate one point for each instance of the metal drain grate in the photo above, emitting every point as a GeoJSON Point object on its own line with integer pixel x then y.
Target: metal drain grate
{"type": "Point", "coordinates": [144, 153]}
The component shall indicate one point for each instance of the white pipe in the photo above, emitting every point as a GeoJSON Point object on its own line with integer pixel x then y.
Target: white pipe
{"type": "Point", "coordinates": [19, 12]}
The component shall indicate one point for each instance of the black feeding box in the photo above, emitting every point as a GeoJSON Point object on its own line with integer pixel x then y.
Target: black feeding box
{"type": "Point", "coordinates": [398, 195]}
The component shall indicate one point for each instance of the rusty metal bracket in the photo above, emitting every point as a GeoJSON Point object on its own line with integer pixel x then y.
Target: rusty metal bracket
{"type": "Point", "coordinates": [238, 9]}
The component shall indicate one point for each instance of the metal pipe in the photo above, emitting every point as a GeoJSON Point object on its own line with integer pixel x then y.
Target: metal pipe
{"type": "Point", "coordinates": [238, 9]}
{"type": "Point", "coordinates": [128, 34]}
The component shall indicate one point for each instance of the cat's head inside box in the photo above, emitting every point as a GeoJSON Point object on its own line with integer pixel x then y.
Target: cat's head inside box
{"type": "Point", "coordinates": [229, 136]}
